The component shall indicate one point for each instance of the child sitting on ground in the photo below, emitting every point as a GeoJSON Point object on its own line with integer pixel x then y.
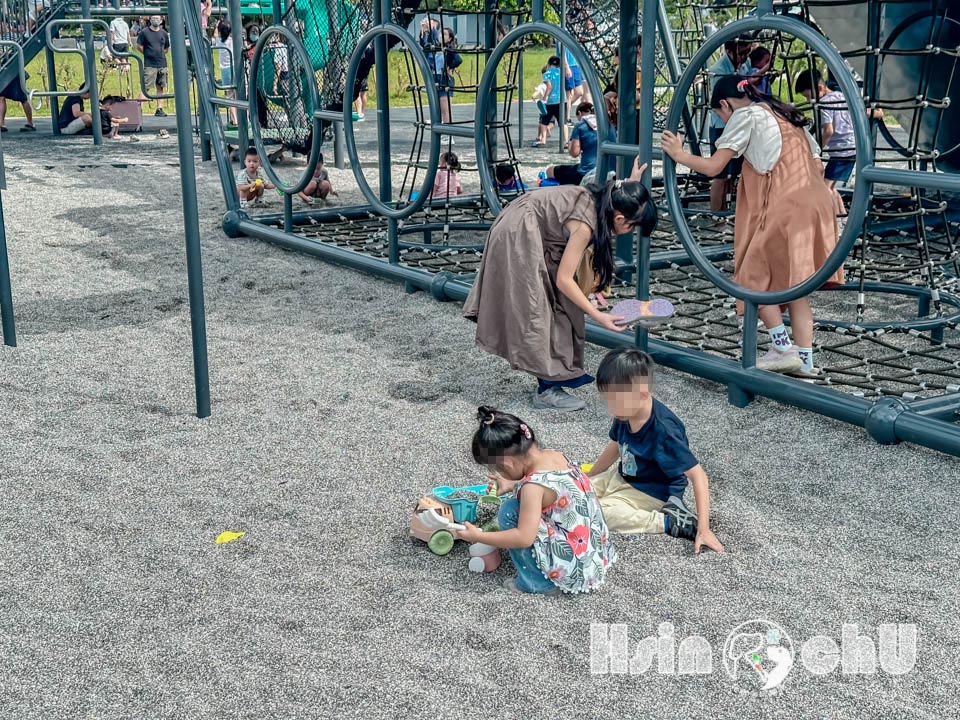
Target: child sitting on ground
{"type": "Point", "coordinates": [251, 181]}
{"type": "Point", "coordinates": [507, 179]}
{"type": "Point", "coordinates": [553, 526]}
{"type": "Point", "coordinates": [320, 186]}
{"type": "Point", "coordinates": [110, 125]}
{"type": "Point", "coordinates": [643, 493]}
{"type": "Point", "coordinates": [447, 182]}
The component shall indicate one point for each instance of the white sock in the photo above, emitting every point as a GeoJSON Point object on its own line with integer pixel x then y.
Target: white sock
{"type": "Point", "coordinates": [780, 338]}
{"type": "Point", "coordinates": [806, 354]}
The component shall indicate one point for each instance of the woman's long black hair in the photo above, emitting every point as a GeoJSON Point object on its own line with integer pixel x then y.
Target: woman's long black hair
{"type": "Point", "coordinates": [735, 86]}
{"type": "Point", "coordinates": [633, 200]}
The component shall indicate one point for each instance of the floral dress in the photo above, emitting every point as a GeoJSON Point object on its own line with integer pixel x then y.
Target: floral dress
{"type": "Point", "coordinates": [573, 547]}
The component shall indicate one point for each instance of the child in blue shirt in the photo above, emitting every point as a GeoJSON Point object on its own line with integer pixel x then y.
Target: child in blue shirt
{"type": "Point", "coordinates": [641, 476]}
{"type": "Point", "coordinates": [550, 104]}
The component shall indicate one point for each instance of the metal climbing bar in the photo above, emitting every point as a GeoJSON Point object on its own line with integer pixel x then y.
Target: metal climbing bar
{"type": "Point", "coordinates": [888, 339]}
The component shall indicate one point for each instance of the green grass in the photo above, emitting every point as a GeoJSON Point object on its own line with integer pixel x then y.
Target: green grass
{"type": "Point", "coordinates": [70, 76]}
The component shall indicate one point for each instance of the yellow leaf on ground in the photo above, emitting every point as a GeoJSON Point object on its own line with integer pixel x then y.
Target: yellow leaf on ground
{"type": "Point", "coordinates": [586, 467]}
{"type": "Point", "coordinates": [228, 536]}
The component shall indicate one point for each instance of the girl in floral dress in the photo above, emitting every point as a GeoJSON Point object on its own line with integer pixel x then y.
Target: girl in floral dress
{"type": "Point", "coordinates": [553, 525]}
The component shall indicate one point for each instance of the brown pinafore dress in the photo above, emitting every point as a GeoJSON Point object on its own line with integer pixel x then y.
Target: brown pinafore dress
{"type": "Point", "coordinates": [786, 224]}
{"type": "Point", "coordinates": [521, 316]}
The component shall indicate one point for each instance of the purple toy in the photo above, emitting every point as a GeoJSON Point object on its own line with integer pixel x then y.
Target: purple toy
{"type": "Point", "coordinates": [645, 313]}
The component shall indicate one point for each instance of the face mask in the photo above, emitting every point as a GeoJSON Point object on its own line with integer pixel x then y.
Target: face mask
{"type": "Point", "coordinates": [155, 23]}
{"type": "Point", "coordinates": [254, 38]}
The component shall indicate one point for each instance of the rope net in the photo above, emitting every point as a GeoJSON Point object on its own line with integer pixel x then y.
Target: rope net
{"type": "Point", "coordinates": [892, 330]}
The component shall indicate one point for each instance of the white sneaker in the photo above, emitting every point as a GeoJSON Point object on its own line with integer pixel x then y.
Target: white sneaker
{"type": "Point", "coordinates": [361, 117]}
{"type": "Point", "coordinates": [781, 362]}
{"type": "Point", "coordinates": [244, 204]}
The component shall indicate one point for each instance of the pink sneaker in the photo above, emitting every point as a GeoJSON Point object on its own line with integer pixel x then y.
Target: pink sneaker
{"type": "Point", "coordinates": [781, 362]}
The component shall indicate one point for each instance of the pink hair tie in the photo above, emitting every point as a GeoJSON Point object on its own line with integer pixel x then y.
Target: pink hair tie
{"type": "Point", "coordinates": [742, 85]}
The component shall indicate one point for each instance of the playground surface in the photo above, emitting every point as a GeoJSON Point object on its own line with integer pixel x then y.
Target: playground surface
{"type": "Point", "coordinates": [337, 401]}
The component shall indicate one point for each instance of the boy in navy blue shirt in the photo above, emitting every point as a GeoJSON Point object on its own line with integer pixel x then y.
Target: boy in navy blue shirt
{"type": "Point", "coordinates": [643, 492]}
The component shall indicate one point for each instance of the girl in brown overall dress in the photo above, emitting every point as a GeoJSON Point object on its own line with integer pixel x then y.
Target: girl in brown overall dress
{"type": "Point", "coordinates": [786, 224]}
{"type": "Point", "coordinates": [546, 251]}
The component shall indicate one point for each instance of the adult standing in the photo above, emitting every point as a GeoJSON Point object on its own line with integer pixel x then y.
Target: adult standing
{"type": "Point", "coordinates": [223, 44]}
{"type": "Point", "coordinates": [154, 42]}
{"type": "Point", "coordinates": [432, 43]}
{"type": "Point", "coordinates": [120, 40]}
{"type": "Point", "coordinates": [14, 91]}
{"type": "Point", "coordinates": [546, 251]}
{"type": "Point", "coordinates": [573, 84]}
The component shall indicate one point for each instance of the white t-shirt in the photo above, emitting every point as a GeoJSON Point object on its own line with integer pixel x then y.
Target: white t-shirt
{"type": "Point", "coordinates": [753, 132]}
{"type": "Point", "coordinates": [834, 111]}
{"type": "Point", "coordinates": [120, 30]}
{"type": "Point", "coordinates": [224, 51]}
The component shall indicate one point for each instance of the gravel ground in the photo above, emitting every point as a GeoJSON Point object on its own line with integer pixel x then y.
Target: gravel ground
{"type": "Point", "coordinates": [337, 401]}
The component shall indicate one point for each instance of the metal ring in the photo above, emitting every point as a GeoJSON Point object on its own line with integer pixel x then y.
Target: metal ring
{"type": "Point", "coordinates": [293, 42]}
{"type": "Point", "coordinates": [489, 78]}
{"type": "Point", "coordinates": [433, 103]}
{"type": "Point", "coordinates": [864, 158]}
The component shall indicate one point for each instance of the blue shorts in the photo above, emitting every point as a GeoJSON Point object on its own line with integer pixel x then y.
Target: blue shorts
{"type": "Point", "coordinates": [226, 75]}
{"type": "Point", "coordinates": [444, 85]}
{"type": "Point", "coordinates": [839, 169]}
{"type": "Point", "coordinates": [733, 167]}
{"type": "Point", "coordinates": [575, 80]}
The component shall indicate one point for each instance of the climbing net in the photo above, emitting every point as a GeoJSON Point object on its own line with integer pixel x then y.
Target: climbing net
{"type": "Point", "coordinates": [892, 330]}
{"type": "Point", "coordinates": [457, 51]}
{"type": "Point", "coordinates": [596, 25]}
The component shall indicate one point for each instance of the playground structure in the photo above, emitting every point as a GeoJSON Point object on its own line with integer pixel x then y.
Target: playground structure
{"type": "Point", "coordinates": [888, 340]}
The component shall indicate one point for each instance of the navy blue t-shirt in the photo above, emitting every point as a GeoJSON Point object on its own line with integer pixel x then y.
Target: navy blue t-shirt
{"type": "Point", "coordinates": [655, 458]}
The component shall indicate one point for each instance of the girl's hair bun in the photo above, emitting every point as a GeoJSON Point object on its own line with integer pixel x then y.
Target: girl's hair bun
{"type": "Point", "coordinates": [486, 415]}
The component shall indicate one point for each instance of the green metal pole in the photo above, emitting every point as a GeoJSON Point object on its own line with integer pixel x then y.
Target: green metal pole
{"type": "Point", "coordinates": [6, 295]}
{"type": "Point", "coordinates": [648, 76]}
{"type": "Point", "coordinates": [191, 221]}
{"type": "Point", "coordinates": [52, 85]}
{"type": "Point", "coordinates": [91, 70]}
{"type": "Point", "coordinates": [381, 14]}
{"type": "Point", "coordinates": [489, 41]}
{"type": "Point", "coordinates": [627, 120]}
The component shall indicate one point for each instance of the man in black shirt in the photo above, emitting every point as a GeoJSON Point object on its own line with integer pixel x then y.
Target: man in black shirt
{"type": "Point", "coordinates": [154, 42]}
{"type": "Point", "coordinates": [72, 119]}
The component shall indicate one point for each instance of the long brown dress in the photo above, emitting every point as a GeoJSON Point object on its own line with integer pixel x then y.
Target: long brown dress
{"type": "Point", "coordinates": [786, 224]}
{"type": "Point", "coordinates": [520, 314]}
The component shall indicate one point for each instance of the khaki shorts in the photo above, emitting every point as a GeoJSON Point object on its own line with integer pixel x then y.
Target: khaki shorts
{"type": "Point", "coordinates": [76, 125]}
{"type": "Point", "coordinates": [154, 78]}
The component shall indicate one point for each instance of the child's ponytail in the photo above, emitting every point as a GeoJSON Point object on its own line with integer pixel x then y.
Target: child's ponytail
{"type": "Point", "coordinates": [730, 86]}
{"type": "Point", "coordinates": [500, 435]}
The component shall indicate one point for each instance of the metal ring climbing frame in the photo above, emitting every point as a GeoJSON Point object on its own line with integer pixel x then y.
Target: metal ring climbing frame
{"type": "Point", "coordinates": [293, 43]}
{"type": "Point", "coordinates": [433, 102]}
{"type": "Point", "coordinates": [864, 159]}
